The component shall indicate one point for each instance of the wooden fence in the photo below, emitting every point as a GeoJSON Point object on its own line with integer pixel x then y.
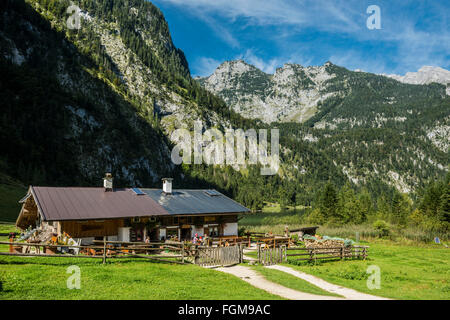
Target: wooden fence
{"type": "Point", "coordinates": [333, 253]}
{"type": "Point", "coordinates": [274, 255]}
{"type": "Point", "coordinates": [173, 252]}
{"type": "Point", "coordinates": [271, 255]}
{"type": "Point", "coordinates": [218, 256]}
{"type": "Point", "coordinates": [272, 240]}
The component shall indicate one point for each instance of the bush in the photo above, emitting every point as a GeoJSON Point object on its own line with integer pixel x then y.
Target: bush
{"type": "Point", "coordinates": [382, 228]}
{"type": "Point", "coordinates": [242, 231]}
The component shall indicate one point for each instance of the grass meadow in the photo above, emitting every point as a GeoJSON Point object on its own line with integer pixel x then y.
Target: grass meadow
{"type": "Point", "coordinates": [32, 278]}
{"type": "Point", "coordinates": [407, 271]}
{"type": "Point", "coordinates": [410, 269]}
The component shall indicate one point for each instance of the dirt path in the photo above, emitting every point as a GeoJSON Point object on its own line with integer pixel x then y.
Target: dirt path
{"type": "Point", "coordinates": [345, 292]}
{"type": "Point", "coordinates": [258, 281]}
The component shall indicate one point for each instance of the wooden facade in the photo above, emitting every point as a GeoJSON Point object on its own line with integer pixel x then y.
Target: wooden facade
{"type": "Point", "coordinates": [87, 229]}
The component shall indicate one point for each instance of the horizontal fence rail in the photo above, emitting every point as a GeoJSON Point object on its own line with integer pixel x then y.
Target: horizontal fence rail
{"type": "Point", "coordinates": [156, 251]}
{"type": "Point", "coordinates": [270, 250]}
{"type": "Point", "coordinates": [328, 253]}
{"type": "Point", "coordinates": [274, 255]}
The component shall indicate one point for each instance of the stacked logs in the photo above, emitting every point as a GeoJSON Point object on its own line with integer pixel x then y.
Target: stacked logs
{"type": "Point", "coordinates": [332, 247]}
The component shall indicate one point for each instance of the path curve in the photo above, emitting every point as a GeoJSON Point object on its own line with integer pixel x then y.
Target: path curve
{"type": "Point", "coordinates": [258, 281]}
{"type": "Point", "coordinates": [345, 292]}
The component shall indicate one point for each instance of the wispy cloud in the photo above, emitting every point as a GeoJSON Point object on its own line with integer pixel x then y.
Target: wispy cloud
{"type": "Point", "coordinates": [414, 33]}
{"type": "Point", "coordinates": [338, 15]}
{"type": "Point", "coordinates": [270, 65]}
{"type": "Point", "coordinates": [205, 66]}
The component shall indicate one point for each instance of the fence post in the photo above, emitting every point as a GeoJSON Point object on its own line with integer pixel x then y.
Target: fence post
{"type": "Point", "coordinates": [182, 252]}
{"type": "Point", "coordinates": [104, 249]}
{"type": "Point", "coordinates": [259, 252]}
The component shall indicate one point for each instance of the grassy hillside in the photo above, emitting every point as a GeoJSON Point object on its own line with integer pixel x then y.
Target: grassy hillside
{"type": "Point", "coordinates": [11, 192]}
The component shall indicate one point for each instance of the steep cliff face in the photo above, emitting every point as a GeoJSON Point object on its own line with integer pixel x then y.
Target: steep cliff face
{"type": "Point", "coordinates": [291, 94]}
{"type": "Point", "coordinates": [104, 97]}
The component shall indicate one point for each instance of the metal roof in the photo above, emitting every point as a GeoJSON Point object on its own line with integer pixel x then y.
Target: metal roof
{"type": "Point", "coordinates": [195, 201]}
{"type": "Point", "coordinates": [58, 204]}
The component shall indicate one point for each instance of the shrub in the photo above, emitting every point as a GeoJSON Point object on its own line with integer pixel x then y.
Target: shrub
{"type": "Point", "coordinates": [382, 227]}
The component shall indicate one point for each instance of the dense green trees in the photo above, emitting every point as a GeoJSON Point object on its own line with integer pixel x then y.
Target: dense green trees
{"type": "Point", "coordinates": [430, 212]}
{"type": "Point", "coordinates": [434, 209]}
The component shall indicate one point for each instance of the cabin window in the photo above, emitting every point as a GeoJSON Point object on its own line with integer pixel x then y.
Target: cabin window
{"type": "Point", "coordinates": [171, 233]}
{"type": "Point", "coordinates": [212, 231]}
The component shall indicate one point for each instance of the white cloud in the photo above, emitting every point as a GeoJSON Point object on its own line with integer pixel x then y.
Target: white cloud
{"type": "Point", "coordinates": [206, 66]}
{"type": "Point", "coordinates": [266, 66]}
{"type": "Point", "coordinates": [338, 15]}
{"type": "Point", "coordinates": [269, 66]}
{"type": "Point", "coordinates": [419, 37]}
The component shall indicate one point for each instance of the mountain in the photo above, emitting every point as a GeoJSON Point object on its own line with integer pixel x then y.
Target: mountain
{"type": "Point", "coordinates": [107, 97]}
{"type": "Point", "coordinates": [374, 130]}
{"type": "Point", "coordinates": [291, 94]}
{"type": "Point", "coordinates": [79, 103]}
{"type": "Point", "coordinates": [425, 75]}
{"type": "Point", "coordinates": [295, 93]}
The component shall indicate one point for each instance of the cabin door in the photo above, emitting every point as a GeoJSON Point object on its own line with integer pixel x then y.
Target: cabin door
{"type": "Point", "coordinates": [186, 234]}
{"type": "Point", "coordinates": [137, 234]}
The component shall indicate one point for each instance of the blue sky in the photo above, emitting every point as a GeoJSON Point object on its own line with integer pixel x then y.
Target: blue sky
{"type": "Point", "coordinates": [269, 33]}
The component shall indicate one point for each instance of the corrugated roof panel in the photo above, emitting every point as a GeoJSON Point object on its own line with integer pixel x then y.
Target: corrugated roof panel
{"type": "Point", "coordinates": [195, 202]}
{"type": "Point", "coordinates": [60, 204]}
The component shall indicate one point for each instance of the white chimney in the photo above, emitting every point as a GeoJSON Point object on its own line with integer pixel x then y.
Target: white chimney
{"type": "Point", "coordinates": [167, 185]}
{"type": "Point", "coordinates": [108, 182]}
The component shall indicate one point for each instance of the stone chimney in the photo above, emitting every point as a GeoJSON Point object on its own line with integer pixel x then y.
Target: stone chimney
{"type": "Point", "coordinates": [167, 185]}
{"type": "Point", "coordinates": [108, 182]}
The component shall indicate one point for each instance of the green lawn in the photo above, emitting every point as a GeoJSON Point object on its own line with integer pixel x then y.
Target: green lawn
{"type": "Point", "coordinates": [407, 272]}
{"type": "Point", "coordinates": [291, 281]}
{"type": "Point", "coordinates": [45, 278]}
{"type": "Point", "coordinates": [272, 218]}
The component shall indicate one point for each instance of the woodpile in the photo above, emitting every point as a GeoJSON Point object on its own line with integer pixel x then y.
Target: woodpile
{"type": "Point", "coordinates": [332, 247]}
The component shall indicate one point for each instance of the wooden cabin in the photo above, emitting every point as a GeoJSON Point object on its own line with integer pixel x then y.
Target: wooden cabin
{"type": "Point", "coordinates": [129, 214]}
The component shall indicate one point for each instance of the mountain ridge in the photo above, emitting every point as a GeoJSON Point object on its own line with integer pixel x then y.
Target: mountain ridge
{"type": "Point", "coordinates": [108, 96]}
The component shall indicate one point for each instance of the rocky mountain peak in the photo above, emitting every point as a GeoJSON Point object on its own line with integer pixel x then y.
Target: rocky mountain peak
{"type": "Point", "coordinates": [290, 94]}
{"type": "Point", "coordinates": [235, 67]}
{"type": "Point", "coordinates": [425, 75]}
